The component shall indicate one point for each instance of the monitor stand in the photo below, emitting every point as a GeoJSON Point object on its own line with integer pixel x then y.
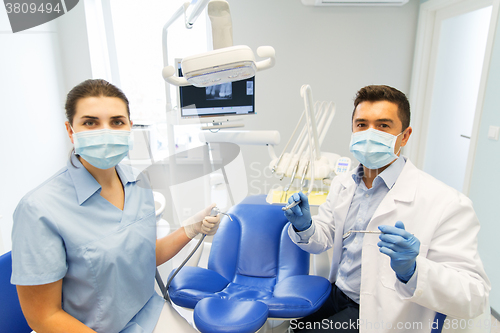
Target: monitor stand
{"type": "Point", "coordinates": [220, 125]}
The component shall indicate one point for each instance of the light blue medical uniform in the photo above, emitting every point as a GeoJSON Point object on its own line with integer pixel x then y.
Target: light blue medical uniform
{"type": "Point", "coordinates": [64, 229]}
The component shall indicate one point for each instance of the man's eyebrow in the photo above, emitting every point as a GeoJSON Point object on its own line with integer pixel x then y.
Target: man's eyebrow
{"type": "Point", "coordinates": [381, 120]}
{"type": "Point", "coordinates": [385, 120]}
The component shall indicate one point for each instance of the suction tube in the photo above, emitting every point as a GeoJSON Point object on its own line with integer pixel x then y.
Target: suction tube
{"type": "Point", "coordinates": [164, 290]}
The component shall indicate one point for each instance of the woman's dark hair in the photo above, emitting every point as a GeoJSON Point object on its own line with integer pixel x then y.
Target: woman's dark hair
{"type": "Point", "coordinates": [385, 93]}
{"type": "Point", "coordinates": [92, 88]}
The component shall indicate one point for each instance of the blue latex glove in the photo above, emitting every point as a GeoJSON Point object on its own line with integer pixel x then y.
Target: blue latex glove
{"type": "Point", "coordinates": [300, 215]}
{"type": "Point", "coordinates": [402, 247]}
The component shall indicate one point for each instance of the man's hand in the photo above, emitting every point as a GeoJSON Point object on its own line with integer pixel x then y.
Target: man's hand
{"type": "Point", "coordinates": [402, 247]}
{"type": "Point", "coordinates": [300, 215]}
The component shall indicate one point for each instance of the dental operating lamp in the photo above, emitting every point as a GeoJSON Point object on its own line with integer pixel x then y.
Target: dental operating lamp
{"type": "Point", "coordinates": [226, 63]}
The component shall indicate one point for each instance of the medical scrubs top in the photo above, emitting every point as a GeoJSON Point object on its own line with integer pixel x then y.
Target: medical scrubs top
{"type": "Point", "coordinates": [64, 229]}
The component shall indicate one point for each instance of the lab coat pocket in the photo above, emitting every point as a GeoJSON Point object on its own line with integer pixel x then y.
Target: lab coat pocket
{"type": "Point", "coordinates": [387, 275]}
{"type": "Point", "coordinates": [423, 250]}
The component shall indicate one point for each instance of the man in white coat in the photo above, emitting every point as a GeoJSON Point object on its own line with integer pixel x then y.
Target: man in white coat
{"type": "Point", "coordinates": [418, 255]}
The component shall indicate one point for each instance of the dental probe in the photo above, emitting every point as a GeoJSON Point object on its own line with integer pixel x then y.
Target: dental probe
{"type": "Point", "coordinates": [213, 212]}
{"type": "Point", "coordinates": [347, 234]}
{"type": "Point", "coordinates": [293, 204]}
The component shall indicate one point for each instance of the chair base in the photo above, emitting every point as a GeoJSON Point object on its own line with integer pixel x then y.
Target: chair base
{"type": "Point", "coordinates": [275, 326]}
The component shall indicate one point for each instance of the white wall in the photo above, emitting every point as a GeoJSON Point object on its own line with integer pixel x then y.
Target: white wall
{"type": "Point", "coordinates": [336, 50]}
{"type": "Point", "coordinates": [75, 54]}
{"type": "Point", "coordinates": [33, 76]}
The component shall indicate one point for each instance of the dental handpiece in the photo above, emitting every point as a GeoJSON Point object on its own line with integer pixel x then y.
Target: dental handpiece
{"type": "Point", "coordinates": [215, 210]}
{"type": "Point", "coordinates": [278, 162]}
{"type": "Point", "coordinates": [293, 204]}
{"type": "Point", "coordinates": [292, 178]}
{"type": "Point", "coordinates": [304, 175]}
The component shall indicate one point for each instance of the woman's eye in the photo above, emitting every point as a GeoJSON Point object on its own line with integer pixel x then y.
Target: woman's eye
{"type": "Point", "coordinates": [118, 123]}
{"type": "Point", "coordinates": [88, 123]}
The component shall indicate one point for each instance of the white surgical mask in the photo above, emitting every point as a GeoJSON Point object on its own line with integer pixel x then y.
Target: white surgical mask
{"type": "Point", "coordinates": [103, 148]}
{"type": "Point", "coordinates": [374, 149]}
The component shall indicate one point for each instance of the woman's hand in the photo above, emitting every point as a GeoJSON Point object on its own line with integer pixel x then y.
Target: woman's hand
{"type": "Point", "coordinates": [202, 222]}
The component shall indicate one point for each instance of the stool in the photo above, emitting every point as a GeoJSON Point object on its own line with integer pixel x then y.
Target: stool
{"type": "Point", "coordinates": [213, 315]}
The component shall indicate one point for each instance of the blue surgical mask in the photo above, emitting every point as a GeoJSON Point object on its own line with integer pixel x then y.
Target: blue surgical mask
{"type": "Point", "coordinates": [374, 149]}
{"type": "Point", "coordinates": [102, 148]}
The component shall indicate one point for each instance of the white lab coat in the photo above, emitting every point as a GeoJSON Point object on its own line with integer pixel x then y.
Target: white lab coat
{"type": "Point", "coordinates": [449, 278]}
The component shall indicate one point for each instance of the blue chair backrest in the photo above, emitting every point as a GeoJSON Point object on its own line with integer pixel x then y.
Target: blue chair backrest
{"type": "Point", "coordinates": [11, 316]}
{"type": "Point", "coordinates": [254, 248]}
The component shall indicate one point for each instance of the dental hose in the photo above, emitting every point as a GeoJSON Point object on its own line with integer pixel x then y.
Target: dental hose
{"type": "Point", "coordinates": [214, 212]}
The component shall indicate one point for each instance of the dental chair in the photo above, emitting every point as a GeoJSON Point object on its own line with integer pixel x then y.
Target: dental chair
{"type": "Point", "coordinates": [255, 272]}
{"type": "Point", "coordinates": [11, 317]}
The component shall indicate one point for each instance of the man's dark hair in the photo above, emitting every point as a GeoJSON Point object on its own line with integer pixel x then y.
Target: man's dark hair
{"type": "Point", "coordinates": [375, 93]}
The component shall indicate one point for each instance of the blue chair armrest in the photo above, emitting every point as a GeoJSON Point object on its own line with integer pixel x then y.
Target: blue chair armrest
{"type": "Point", "coordinates": [198, 278]}
{"type": "Point", "coordinates": [298, 296]}
{"type": "Point", "coordinates": [192, 284]}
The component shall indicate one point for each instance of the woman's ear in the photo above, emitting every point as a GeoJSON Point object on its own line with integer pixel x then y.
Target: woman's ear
{"type": "Point", "coordinates": [69, 130]}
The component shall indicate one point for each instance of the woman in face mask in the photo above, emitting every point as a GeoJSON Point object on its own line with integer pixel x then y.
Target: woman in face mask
{"type": "Point", "coordinates": [84, 245]}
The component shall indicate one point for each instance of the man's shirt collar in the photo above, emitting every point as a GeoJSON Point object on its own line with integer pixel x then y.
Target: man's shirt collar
{"type": "Point", "coordinates": [388, 176]}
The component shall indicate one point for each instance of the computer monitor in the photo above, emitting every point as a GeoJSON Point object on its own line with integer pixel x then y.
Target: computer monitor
{"type": "Point", "coordinates": [219, 105]}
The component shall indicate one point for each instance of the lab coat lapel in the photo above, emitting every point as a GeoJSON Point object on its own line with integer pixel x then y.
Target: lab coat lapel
{"type": "Point", "coordinates": [344, 201]}
{"type": "Point", "coordinates": [403, 191]}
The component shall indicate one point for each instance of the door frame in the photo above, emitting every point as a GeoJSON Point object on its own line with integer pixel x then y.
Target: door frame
{"type": "Point", "coordinates": [424, 69]}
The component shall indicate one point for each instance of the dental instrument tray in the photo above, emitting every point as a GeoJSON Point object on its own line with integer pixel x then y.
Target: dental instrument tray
{"type": "Point", "coordinates": [277, 197]}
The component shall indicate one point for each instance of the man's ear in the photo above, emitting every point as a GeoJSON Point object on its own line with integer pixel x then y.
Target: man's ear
{"type": "Point", "coordinates": [406, 136]}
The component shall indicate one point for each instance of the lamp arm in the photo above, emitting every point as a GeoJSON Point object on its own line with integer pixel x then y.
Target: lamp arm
{"type": "Point", "coordinates": [195, 13]}
{"type": "Point", "coordinates": [164, 36]}
{"type": "Point", "coordinates": [222, 26]}
{"type": "Point", "coordinates": [168, 72]}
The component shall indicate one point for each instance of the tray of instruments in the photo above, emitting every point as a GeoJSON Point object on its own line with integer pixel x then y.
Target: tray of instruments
{"type": "Point", "coordinates": [279, 197]}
